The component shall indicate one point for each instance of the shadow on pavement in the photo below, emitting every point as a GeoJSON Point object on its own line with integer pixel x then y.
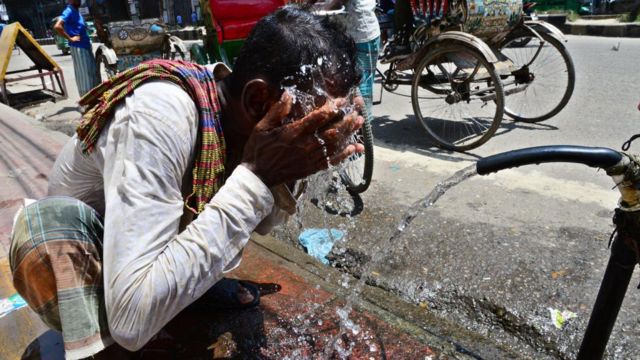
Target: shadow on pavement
{"type": "Point", "coordinates": [66, 109]}
{"type": "Point", "coordinates": [406, 133]}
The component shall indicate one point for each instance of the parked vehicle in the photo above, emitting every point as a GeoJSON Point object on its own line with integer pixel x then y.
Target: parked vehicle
{"type": "Point", "coordinates": [474, 61]}
{"type": "Point", "coordinates": [128, 42]}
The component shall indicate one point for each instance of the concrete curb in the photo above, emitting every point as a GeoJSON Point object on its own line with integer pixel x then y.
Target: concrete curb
{"type": "Point", "coordinates": [622, 30]}
{"type": "Point", "coordinates": [46, 41]}
{"type": "Point", "coordinates": [594, 29]}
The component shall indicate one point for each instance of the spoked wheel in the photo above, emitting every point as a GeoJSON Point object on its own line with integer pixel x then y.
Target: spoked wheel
{"type": "Point", "coordinates": [543, 81]}
{"type": "Point", "coordinates": [457, 97]}
{"type": "Point", "coordinates": [357, 170]}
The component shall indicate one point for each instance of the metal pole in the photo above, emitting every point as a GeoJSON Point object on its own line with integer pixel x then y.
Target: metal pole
{"type": "Point", "coordinates": [605, 311]}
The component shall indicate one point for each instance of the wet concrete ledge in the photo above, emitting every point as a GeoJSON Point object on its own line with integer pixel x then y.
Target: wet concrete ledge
{"type": "Point", "coordinates": [445, 337]}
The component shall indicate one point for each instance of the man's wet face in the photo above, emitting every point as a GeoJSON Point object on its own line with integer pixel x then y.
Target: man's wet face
{"type": "Point", "coordinates": [311, 90]}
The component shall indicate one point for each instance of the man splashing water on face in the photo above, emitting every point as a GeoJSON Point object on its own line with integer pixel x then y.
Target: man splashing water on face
{"type": "Point", "coordinates": [170, 171]}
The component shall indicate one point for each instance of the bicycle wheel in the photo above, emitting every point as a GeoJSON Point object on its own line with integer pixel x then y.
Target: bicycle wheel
{"type": "Point", "coordinates": [357, 170]}
{"type": "Point", "coordinates": [541, 85]}
{"type": "Point", "coordinates": [457, 97]}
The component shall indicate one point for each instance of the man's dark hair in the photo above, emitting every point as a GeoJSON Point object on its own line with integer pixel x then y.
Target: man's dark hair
{"type": "Point", "coordinates": [291, 37]}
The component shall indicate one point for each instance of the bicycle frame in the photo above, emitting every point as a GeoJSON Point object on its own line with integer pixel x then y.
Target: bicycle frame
{"type": "Point", "coordinates": [625, 248]}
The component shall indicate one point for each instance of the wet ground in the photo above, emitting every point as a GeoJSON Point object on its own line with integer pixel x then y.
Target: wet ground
{"type": "Point", "coordinates": [478, 273]}
{"type": "Point", "coordinates": [474, 260]}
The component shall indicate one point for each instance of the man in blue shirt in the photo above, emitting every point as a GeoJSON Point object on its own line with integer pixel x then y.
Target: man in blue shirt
{"type": "Point", "coordinates": [71, 25]}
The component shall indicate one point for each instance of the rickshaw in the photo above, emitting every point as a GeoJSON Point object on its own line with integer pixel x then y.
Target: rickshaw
{"type": "Point", "coordinates": [473, 61]}
{"type": "Point", "coordinates": [130, 39]}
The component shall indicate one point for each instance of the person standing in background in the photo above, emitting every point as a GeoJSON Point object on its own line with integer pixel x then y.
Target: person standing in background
{"type": "Point", "coordinates": [72, 27]}
{"type": "Point", "coordinates": [194, 18]}
{"type": "Point", "coordinates": [362, 25]}
{"type": "Point", "coordinates": [179, 20]}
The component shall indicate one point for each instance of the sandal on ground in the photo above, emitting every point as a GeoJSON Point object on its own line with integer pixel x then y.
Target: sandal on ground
{"type": "Point", "coordinates": [224, 295]}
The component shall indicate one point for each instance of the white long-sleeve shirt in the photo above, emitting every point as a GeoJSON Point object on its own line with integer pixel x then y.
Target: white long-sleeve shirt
{"type": "Point", "coordinates": [134, 178]}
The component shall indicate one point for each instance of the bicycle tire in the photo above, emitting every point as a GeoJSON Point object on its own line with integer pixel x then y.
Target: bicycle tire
{"type": "Point", "coordinates": [365, 136]}
{"type": "Point", "coordinates": [103, 66]}
{"type": "Point", "coordinates": [570, 83]}
{"type": "Point", "coordinates": [425, 123]}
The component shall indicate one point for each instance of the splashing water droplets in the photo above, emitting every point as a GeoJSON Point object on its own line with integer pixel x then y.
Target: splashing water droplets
{"type": "Point", "coordinates": [418, 207]}
{"type": "Point", "coordinates": [325, 189]}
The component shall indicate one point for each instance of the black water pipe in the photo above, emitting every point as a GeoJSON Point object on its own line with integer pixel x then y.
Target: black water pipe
{"type": "Point", "coordinates": [590, 156]}
{"type": "Point", "coordinates": [623, 258]}
{"type": "Point", "coordinates": [610, 296]}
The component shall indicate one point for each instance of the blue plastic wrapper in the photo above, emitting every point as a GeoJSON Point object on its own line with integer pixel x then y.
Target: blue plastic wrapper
{"type": "Point", "coordinates": [318, 243]}
{"type": "Point", "coordinates": [11, 304]}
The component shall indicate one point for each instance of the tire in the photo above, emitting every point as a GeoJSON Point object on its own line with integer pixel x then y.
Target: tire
{"type": "Point", "coordinates": [357, 170]}
{"type": "Point", "coordinates": [178, 54]}
{"type": "Point", "coordinates": [555, 90]}
{"type": "Point", "coordinates": [470, 85]}
{"type": "Point", "coordinates": [106, 71]}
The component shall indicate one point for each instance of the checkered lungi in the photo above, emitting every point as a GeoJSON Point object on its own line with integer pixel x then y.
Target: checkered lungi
{"type": "Point", "coordinates": [55, 258]}
{"type": "Point", "coordinates": [367, 54]}
{"type": "Point", "coordinates": [84, 69]}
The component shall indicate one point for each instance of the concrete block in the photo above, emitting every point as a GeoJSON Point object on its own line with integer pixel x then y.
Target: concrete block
{"type": "Point", "coordinates": [632, 30]}
{"type": "Point", "coordinates": [595, 30]}
{"type": "Point", "coordinates": [613, 31]}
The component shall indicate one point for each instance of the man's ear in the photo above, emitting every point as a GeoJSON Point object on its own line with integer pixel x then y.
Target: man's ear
{"type": "Point", "coordinates": [256, 97]}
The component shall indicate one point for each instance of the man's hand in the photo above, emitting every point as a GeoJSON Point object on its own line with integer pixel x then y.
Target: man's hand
{"type": "Point", "coordinates": [280, 153]}
{"type": "Point", "coordinates": [74, 38]}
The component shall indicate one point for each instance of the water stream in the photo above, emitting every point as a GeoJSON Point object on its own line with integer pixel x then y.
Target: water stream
{"type": "Point", "coordinates": [325, 188]}
{"type": "Point", "coordinates": [382, 246]}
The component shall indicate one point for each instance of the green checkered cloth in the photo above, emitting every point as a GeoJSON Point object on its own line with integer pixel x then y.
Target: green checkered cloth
{"type": "Point", "coordinates": [56, 263]}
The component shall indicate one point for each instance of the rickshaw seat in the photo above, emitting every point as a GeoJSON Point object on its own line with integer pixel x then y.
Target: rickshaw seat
{"type": "Point", "coordinates": [234, 19]}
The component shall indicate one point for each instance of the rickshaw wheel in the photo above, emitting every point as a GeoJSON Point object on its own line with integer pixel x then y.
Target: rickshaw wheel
{"type": "Point", "coordinates": [551, 78]}
{"type": "Point", "coordinates": [106, 70]}
{"type": "Point", "coordinates": [457, 97]}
